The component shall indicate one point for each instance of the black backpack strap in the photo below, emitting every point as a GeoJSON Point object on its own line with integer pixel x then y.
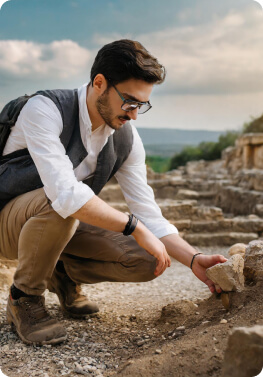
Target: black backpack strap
{"type": "Point", "coordinates": [8, 118]}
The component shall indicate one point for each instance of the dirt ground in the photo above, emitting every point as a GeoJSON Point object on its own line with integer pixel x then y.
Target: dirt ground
{"type": "Point", "coordinates": [166, 327]}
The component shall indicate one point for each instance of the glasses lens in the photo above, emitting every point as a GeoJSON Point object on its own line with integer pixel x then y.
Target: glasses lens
{"type": "Point", "coordinates": [129, 106]}
{"type": "Point", "coordinates": [144, 108]}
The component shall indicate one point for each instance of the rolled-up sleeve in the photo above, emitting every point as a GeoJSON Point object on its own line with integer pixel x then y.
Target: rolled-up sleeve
{"type": "Point", "coordinates": [41, 123]}
{"type": "Point", "coordinates": [132, 178]}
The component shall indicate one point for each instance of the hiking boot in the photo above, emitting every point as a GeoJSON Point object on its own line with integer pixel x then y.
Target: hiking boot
{"type": "Point", "coordinates": [29, 317]}
{"type": "Point", "coordinates": [72, 302]}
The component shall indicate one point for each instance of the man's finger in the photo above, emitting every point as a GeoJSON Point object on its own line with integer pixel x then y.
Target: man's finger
{"type": "Point", "coordinates": [213, 287]}
{"type": "Point", "coordinates": [210, 285]}
{"type": "Point", "coordinates": [220, 258]}
{"type": "Point", "coordinates": [159, 266]}
{"type": "Point", "coordinates": [162, 269]}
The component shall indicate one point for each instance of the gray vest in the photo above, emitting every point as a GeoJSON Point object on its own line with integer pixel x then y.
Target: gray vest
{"type": "Point", "coordinates": [18, 173]}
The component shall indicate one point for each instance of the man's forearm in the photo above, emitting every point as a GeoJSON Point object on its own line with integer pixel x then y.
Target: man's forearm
{"type": "Point", "coordinates": [98, 213]}
{"type": "Point", "coordinates": [179, 249]}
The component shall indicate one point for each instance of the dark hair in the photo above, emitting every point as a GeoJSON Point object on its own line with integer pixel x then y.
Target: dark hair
{"type": "Point", "coordinates": [125, 59]}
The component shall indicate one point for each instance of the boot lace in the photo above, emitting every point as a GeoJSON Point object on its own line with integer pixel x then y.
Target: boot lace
{"type": "Point", "coordinates": [36, 309]}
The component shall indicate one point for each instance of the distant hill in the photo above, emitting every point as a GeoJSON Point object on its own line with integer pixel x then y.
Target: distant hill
{"type": "Point", "coordinates": [166, 141]}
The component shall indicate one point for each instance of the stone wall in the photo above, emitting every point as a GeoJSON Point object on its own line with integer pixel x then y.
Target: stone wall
{"type": "Point", "coordinates": [247, 154]}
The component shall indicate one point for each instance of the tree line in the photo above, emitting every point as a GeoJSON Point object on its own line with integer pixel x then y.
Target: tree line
{"type": "Point", "coordinates": [212, 150]}
{"type": "Point", "coordinates": [205, 150]}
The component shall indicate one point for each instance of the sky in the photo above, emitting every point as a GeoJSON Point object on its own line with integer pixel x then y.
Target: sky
{"type": "Point", "coordinates": [212, 50]}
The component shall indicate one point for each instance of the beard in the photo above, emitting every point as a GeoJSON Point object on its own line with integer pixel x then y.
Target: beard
{"type": "Point", "coordinates": [105, 110]}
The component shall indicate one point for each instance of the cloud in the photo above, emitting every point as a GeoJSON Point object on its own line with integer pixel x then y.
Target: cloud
{"type": "Point", "coordinates": [2, 3]}
{"type": "Point", "coordinates": [221, 56]}
{"type": "Point", "coordinates": [26, 60]}
{"type": "Point", "coordinates": [259, 2]}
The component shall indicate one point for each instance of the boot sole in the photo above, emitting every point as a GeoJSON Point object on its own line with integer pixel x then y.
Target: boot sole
{"type": "Point", "coordinates": [11, 322]}
{"type": "Point", "coordinates": [76, 316]}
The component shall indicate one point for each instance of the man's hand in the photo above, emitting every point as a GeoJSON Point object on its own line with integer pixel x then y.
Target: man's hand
{"type": "Point", "coordinates": [201, 263]}
{"type": "Point", "coordinates": [153, 246]}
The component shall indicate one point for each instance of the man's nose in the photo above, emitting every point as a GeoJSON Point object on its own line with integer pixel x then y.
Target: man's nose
{"type": "Point", "coordinates": [133, 113]}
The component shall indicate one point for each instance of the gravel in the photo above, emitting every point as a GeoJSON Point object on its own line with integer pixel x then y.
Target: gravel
{"type": "Point", "coordinates": [125, 327]}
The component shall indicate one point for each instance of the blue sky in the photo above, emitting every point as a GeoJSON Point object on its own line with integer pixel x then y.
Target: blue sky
{"type": "Point", "coordinates": [213, 52]}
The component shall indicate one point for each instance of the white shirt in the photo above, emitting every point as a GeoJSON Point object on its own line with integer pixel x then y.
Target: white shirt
{"type": "Point", "coordinates": [38, 128]}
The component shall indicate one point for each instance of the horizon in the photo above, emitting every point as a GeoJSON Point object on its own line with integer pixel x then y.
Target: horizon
{"type": "Point", "coordinates": [188, 129]}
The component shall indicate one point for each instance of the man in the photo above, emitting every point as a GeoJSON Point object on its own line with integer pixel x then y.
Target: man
{"type": "Point", "coordinates": [64, 146]}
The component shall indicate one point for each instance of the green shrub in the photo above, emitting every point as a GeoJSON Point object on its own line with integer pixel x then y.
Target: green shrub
{"type": "Point", "coordinates": [204, 151]}
{"type": "Point", "coordinates": [255, 125]}
{"type": "Point", "coordinates": [158, 164]}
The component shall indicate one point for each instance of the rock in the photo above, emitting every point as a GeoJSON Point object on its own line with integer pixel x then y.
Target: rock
{"type": "Point", "coordinates": [187, 194]}
{"type": "Point", "coordinates": [208, 213]}
{"type": "Point", "coordinates": [237, 200]}
{"type": "Point", "coordinates": [238, 248]}
{"type": "Point", "coordinates": [225, 300]}
{"type": "Point", "coordinates": [79, 370]}
{"type": "Point", "coordinates": [182, 225]}
{"type": "Point", "coordinates": [259, 210]}
{"type": "Point", "coordinates": [180, 328]}
{"type": "Point", "coordinates": [150, 173]}
{"type": "Point", "coordinates": [177, 209]}
{"type": "Point", "coordinates": [229, 275]}
{"type": "Point", "coordinates": [193, 167]}
{"type": "Point", "coordinates": [158, 351]}
{"type": "Point", "coordinates": [253, 217]}
{"type": "Point", "coordinates": [243, 356]}
{"type": "Point", "coordinates": [253, 269]}
{"type": "Point", "coordinates": [224, 238]}
{"type": "Point", "coordinates": [234, 225]}
{"type": "Point", "coordinates": [6, 276]}
{"type": "Point", "coordinates": [223, 321]}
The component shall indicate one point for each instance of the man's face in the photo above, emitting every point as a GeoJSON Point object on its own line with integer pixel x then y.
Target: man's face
{"type": "Point", "coordinates": [109, 102]}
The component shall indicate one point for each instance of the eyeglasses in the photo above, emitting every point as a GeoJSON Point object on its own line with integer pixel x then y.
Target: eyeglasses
{"type": "Point", "coordinates": [130, 105]}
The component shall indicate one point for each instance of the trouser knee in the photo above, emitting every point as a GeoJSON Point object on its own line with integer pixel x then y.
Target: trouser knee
{"type": "Point", "coordinates": [140, 270]}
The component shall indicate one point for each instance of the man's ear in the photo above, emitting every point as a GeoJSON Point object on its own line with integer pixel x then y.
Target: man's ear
{"type": "Point", "coordinates": [100, 83]}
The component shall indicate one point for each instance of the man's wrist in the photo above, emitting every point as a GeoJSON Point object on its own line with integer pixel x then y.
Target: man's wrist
{"type": "Point", "coordinates": [193, 258]}
{"type": "Point", "coordinates": [139, 230]}
{"type": "Point", "coordinates": [131, 225]}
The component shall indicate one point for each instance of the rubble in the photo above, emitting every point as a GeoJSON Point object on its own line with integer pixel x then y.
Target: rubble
{"type": "Point", "coordinates": [229, 275]}
{"type": "Point", "coordinates": [210, 202]}
{"type": "Point", "coordinates": [238, 248]}
{"type": "Point", "coordinates": [243, 356]}
{"type": "Point", "coordinates": [253, 269]}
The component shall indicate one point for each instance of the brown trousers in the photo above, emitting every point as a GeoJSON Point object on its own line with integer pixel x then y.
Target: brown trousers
{"type": "Point", "coordinates": [32, 232]}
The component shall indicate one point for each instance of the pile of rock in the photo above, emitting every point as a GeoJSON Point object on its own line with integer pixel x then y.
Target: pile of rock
{"type": "Point", "coordinates": [253, 269]}
{"type": "Point", "coordinates": [199, 221]}
{"type": "Point", "coordinates": [245, 264]}
{"type": "Point", "coordinates": [211, 203]}
{"type": "Point", "coordinates": [244, 353]}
